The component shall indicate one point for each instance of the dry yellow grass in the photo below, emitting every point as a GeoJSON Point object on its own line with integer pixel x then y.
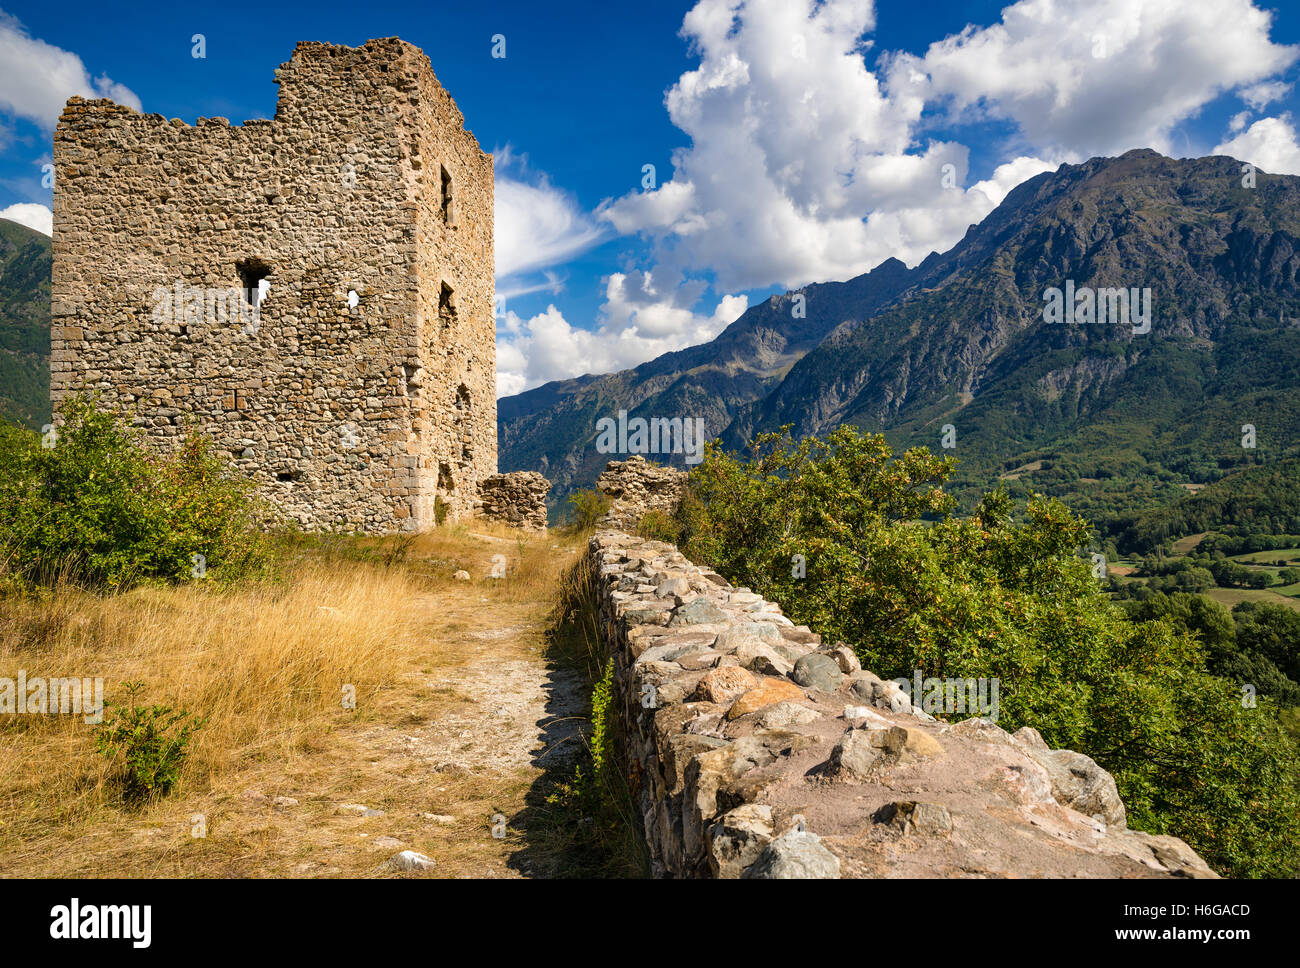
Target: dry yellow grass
{"type": "Point", "coordinates": [267, 663]}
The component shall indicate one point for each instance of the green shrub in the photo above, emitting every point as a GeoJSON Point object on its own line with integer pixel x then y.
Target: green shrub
{"type": "Point", "coordinates": [151, 742]}
{"type": "Point", "coordinates": [93, 506]}
{"type": "Point", "coordinates": [658, 526]}
{"type": "Point", "coordinates": [601, 742]}
{"type": "Point", "coordinates": [586, 508]}
{"type": "Point", "coordinates": [862, 546]}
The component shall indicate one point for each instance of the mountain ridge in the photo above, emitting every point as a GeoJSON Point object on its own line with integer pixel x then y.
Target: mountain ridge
{"type": "Point", "coordinates": [960, 339]}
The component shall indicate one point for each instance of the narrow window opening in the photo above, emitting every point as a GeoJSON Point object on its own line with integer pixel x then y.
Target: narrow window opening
{"type": "Point", "coordinates": [353, 299]}
{"type": "Point", "coordinates": [448, 209]}
{"type": "Point", "coordinates": [462, 426]}
{"type": "Point", "coordinates": [447, 305]}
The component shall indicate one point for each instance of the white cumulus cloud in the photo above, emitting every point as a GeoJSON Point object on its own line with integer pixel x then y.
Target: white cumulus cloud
{"type": "Point", "coordinates": [34, 216]}
{"type": "Point", "coordinates": [800, 167]}
{"type": "Point", "coordinates": [637, 326]}
{"type": "Point", "coordinates": [36, 78]}
{"type": "Point", "coordinates": [1091, 77]}
{"type": "Point", "coordinates": [1268, 144]}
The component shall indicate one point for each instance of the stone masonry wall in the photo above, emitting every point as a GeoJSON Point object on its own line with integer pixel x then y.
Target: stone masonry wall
{"type": "Point", "coordinates": [758, 751]}
{"type": "Point", "coordinates": [635, 487]}
{"type": "Point", "coordinates": [346, 416]}
{"type": "Point", "coordinates": [517, 499]}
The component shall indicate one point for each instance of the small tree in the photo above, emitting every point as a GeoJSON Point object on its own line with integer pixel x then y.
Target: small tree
{"type": "Point", "coordinates": [586, 508]}
{"type": "Point", "coordinates": [151, 744]}
{"type": "Point", "coordinates": [89, 503]}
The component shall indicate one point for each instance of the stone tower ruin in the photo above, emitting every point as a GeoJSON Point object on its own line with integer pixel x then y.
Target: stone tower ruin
{"type": "Point", "coordinates": [315, 292]}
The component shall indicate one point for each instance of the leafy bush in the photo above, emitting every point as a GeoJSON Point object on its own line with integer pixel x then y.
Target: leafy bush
{"type": "Point", "coordinates": [660, 526]}
{"type": "Point", "coordinates": [151, 741]}
{"type": "Point", "coordinates": [97, 508]}
{"type": "Point", "coordinates": [586, 508]}
{"type": "Point", "coordinates": [836, 530]}
{"type": "Point", "coordinates": [603, 713]}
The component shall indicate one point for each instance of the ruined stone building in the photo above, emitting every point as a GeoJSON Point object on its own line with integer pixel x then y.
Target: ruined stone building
{"type": "Point", "coordinates": [314, 291]}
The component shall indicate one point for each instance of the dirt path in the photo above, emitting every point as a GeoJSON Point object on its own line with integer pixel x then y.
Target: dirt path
{"type": "Point", "coordinates": [486, 732]}
{"type": "Point", "coordinates": [460, 754]}
{"type": "Point", "coordinates": [454, 758]}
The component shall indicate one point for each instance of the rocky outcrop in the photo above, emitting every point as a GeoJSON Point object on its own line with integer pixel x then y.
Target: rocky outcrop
{"type": "Point", "coordinates": [517, 499]}
{"type": "Point", "coordinates": [635, 486]}
{"type": "Point", "coordinates": [760, 752]}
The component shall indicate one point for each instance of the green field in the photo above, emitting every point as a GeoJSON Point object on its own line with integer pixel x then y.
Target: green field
{"type": "Point", "coordinates": [1278, 557]}
{"type": "Point", "coordinates": [1231, 596]}
{"type": "Point", "coordinates": [1271, 562]}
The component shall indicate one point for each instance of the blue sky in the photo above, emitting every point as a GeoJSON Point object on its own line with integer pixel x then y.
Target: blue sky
{"type": "Point", "coordinates": [792, 141]}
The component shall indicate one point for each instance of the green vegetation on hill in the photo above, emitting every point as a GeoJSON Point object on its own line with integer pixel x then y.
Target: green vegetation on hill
{"type": "Point", "coordinates": [1261, 500]}
{"type": "Point", "coordinates": [864, 546]}
{"type": "Point", "coordinates": [1256, 644]}
{"type": "Point", "coordinates": [25, 260]}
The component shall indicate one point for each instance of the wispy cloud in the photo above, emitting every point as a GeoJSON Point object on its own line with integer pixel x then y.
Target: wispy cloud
{"type": "Point", "coordinates": [537, 224]}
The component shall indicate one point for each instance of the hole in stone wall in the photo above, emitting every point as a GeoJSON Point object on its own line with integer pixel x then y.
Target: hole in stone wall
{"type": "Point", "coordinates": [445, 483]}
{"type": "Point", "coordinates": [447, 207]}
{"type": "Point", "coordinates": [447, 305]}
{"type": "Point", "coordinates": [253, 280]}
{"type": "Point", "coordinates": [353, 299]}
{"type": "Point", "coordinates": [289, 476]}
{"type": "Point", "coordinates": [460, 424]}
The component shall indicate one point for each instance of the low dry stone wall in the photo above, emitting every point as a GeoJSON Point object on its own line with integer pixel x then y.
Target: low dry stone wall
{"type": "Point", "coordinates": [635, 487]}
{"type": "Point", "coordinates": [758, 751]}
{"type": "Point", "coordinates": [517, 499]}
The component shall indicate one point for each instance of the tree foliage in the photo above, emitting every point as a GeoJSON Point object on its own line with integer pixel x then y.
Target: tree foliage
{"type": "Point", "coordinates": [88, 503]}
{"type": "Point", "coordinates": [863, 546]}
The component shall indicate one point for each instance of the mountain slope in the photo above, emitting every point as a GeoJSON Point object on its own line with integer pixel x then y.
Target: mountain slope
{"type": "Point", "coordinates": [1095, 403]}
{"type": "Point", "coordinates": [1110, 419]}
{"type": "Point", "coordinates": [25, 260]}
{"type": "Point", "coordinates": [553, 428]}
